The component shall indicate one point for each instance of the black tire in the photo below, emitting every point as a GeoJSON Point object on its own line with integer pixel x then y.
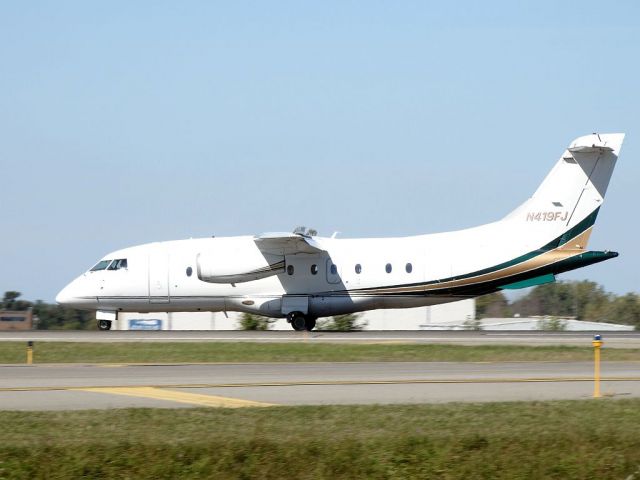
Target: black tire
{"type": "Point", "coordinates": [298, 321]}
{"type": "Point", "coordinates": [104, 324]}
{"type": "Point", "coordinates": [310, 324]}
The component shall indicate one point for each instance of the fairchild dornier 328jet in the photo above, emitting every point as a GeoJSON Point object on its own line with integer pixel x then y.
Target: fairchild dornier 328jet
{"type": "Point", "coordinates": [302, 276]}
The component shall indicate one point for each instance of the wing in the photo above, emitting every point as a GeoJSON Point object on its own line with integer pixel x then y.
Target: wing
{"type": "Point", "coordinates": [287, 243]}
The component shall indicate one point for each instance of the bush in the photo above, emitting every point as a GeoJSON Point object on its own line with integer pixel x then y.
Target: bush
{"type": "Point", "coordinates": [342, 323]}
{"type": "Point", "coordinates": [552, 324]}
{"type": "Point", "coordinates": [474, 324]}
{"type": "Point", "coordinates": [249, 321]}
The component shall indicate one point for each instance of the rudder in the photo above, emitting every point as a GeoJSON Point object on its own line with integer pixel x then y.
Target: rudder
{"type": "Point", "coordinates": [567, 202]}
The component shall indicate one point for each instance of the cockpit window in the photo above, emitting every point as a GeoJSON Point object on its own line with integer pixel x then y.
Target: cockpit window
{"type": "Point", "coordinates": [118, 264]}
{"type": "Point", "coordinates": [101, 265]}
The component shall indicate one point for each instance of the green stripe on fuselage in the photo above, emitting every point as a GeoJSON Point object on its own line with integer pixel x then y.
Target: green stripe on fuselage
{"type": "Point", "coordinates": [573, 232]}
{"type": "Point", "coordinates": [531, 282]}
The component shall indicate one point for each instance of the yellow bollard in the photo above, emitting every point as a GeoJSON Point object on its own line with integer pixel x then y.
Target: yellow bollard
{"type": "Point", "coordinates": [29, 352]}
{"type": "Point", "coordinates": [597, 344]}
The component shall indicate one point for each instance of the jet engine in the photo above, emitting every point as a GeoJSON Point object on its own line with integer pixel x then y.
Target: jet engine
{"type": "Point", "coordinates": [223, 266]}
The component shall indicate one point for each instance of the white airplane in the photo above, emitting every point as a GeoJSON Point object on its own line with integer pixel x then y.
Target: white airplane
{"type": "Point", "coordinates": [302, 276]}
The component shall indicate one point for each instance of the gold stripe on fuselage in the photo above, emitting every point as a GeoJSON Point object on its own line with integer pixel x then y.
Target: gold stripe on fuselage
{"type": "Point", "coordinates": [567, 250]}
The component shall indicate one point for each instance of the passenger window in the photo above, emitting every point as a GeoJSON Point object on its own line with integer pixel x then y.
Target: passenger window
{"type": "Point", "coordinates": [358, 269]}
{"type": "Point", "coordinates": [388, 268]}
{"type": "Point", "coordinates": [101, 265]}
{"type": "Point", "coordinates": [314, 269]}
{"type": "Point", "coordinates": [408, 267]}
{"type": "Point", "coordinates": [290, 269]}
{"type": "Point", "coordinates": [333, 272]}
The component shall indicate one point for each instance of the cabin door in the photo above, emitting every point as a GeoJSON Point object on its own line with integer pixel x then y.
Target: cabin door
{"type": "Point", "coordinates": [159, 277]}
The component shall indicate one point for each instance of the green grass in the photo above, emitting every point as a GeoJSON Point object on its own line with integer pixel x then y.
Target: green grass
{"type": "Point", "coordinates": [564, 440]}
{"type": "Point", "coordinates": [68, 352]}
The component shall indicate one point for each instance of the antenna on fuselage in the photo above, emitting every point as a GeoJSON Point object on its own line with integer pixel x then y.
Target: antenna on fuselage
{"type": "Point", "coordinates": [305, 232]}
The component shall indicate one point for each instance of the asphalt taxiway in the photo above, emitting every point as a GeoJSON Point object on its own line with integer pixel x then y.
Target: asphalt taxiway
{"type": "Point", "coordinates": [99, 386]}
{"type": "Point", "coordinates": [532, 338]}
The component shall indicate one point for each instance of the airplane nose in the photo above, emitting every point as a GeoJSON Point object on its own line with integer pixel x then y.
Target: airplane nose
{"type": "Point", "coordinates": [63, 296]}
{"type": "Point", "coordinates": [70, 294]}
{"type": "Point", "coordinates": [76, 295]}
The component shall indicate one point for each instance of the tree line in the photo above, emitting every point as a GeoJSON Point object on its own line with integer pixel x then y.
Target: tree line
{"type": "Point", "coordinates": [582, 300]}
{"type": "Point", "coordinates": [49, 316]}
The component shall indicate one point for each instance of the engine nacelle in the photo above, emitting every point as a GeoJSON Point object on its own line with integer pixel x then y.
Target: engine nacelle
{"type": "Point", "coordinates": [223, 266]}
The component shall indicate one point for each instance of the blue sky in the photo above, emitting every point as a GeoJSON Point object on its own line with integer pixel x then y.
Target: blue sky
{"type": "Point", "coordinates": [128, 122]}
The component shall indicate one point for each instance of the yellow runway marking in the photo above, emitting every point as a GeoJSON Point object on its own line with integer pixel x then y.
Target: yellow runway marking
{"type": "Point", "coordinates": [180, 397]}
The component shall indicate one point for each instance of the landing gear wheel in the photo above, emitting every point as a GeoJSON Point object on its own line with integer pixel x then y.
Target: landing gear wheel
{"type": "Point", "coordinates": [104, 324]}
{"type": "Point", "coordinates": [300, 323]}
{"type": "Point", "coordinates": [310, 324]}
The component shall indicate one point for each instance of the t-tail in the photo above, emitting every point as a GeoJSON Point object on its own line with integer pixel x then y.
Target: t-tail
{"type": "Point", "coordinates": [558, 219]}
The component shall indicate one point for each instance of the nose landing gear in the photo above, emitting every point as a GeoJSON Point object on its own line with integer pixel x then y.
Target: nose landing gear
{"type": "Point", "coordinates": [104, 325]}
{"type": "Point", "coordinates": [300, 322]}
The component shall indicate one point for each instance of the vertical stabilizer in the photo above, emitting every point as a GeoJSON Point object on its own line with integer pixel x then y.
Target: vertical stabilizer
{"type": "Point", "coordinates": [565, 205]}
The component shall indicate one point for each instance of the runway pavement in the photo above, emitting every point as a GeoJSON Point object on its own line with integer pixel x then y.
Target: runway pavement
{"type": "Point", "coordinates": [70, 387]}
{"type": "Point", "coordinates": [612, 339]}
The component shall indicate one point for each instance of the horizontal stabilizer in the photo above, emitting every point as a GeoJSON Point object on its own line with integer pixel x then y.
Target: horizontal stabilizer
{"type": "Point", "coordinates": [590, 149]}
{"type": "Point", "coordinates": [595, 143]}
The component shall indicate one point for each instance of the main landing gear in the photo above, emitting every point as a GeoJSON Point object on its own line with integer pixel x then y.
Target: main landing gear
{"type": "Point", "coordinates": [104, 324]}
{"type": "Point", "coordinates": [300, 322]}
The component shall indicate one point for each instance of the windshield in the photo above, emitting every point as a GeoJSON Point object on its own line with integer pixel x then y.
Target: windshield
{"type": "Point", "coordinates": [101, 265]}
{"type": "Point", "coordinates": [118, 264]}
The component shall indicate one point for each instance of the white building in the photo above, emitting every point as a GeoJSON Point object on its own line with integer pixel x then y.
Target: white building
{"type": "Point", "coordinates": [400, 319]}
{"type": "Point", "coordinates": [421, 318]}
{"type": "Point", "coordinates": [538, 323]}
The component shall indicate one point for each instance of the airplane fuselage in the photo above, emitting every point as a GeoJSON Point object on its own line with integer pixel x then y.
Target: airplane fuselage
{"type": "Point", "coordinates": [302, 276]}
